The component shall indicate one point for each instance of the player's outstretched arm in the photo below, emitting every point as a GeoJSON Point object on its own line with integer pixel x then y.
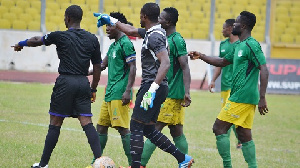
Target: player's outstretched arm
{"type": "Point", "coordinates": [126, 28]}
{"type": "Point", "coordinates": [32, 42]}
{"type": "Point", "coordinates": [217, 72]}
{"type": "Point", "coordinates": [183, 61]}
{"type": "Point", "coordinates": [264, 75]}
{"type": "Point", "coordinates": [216, 61]}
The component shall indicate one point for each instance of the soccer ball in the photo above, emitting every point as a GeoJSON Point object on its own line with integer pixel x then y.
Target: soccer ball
{"type": "Point", "coordinates": [104, 162]}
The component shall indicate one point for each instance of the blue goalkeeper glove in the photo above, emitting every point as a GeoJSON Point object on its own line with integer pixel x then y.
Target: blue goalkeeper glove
{"type": "Point", "coordinates": [149, 97]}
{"type": "Point", "coordinates": [105, 19]}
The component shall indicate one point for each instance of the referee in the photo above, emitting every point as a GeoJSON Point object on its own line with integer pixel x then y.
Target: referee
{"type": "Point", "coordinates": [72, 93]}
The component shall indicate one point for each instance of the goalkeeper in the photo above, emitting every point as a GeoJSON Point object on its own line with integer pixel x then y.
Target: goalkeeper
{"type": "Point", "coordinates": [154, 87]}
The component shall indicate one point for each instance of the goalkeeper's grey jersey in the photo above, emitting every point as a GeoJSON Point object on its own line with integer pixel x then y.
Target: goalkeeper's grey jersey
{"type": "Point", "coordinates": [155, 41]}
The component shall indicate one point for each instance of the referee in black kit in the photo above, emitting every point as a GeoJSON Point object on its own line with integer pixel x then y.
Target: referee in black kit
{"type": "Point", "coordinates": [71, 96]}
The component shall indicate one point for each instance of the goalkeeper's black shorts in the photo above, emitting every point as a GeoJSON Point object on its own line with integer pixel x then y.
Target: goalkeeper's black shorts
{"type": "Point", "coordinates": [152, 113]}
{"type": "Point", "coordinates": [71, 96]}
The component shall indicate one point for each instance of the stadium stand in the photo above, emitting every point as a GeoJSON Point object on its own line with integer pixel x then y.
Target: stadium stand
{"type": "Point", "coordinates": [194, 15]}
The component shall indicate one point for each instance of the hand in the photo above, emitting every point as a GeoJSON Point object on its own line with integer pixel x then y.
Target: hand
{"type": "Point", "coordinates": [103, 67]}
{"type": "Point", "coordinates": [149, 97]}
{"type": "Point", "coordinates": [262, 106]}
{"type": "Point", "coordinates": [187, 100]}
{"type": "Point", "coordinates": [17, 47]}
{"type": "Point", "coordinates": [211, 87]}
{"type": "Point", "coordinates": [93, 97]}
{"type": "Point", "coordinates": [126, 97]}
{"type": "Point", "coordinates": [105, 19]}
{"type": "Point", "coordinates": [194, 55]}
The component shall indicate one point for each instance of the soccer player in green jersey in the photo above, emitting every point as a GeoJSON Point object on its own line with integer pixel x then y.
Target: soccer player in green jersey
{"type": "Point", "coordinates": [248, 64]}
{"type": "Point", "coordinates": [120, 60]}
{"type": "Point", "coordinates": [225, 47]}
{"type": "Point", "coordinates": [179, 79]}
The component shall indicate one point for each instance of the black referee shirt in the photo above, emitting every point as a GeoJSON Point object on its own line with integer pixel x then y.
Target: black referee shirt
{"type": "Point", "coordinates": [75, 49]}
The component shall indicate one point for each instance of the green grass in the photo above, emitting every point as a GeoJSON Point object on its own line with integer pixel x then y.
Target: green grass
{"type": "Point", "coordinates": [24, 123]}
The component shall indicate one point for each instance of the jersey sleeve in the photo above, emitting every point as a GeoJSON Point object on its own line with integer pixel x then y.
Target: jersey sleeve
{"type": "Point", "coordinates": [257, 56]}
{"type": "Point", "coordinates": [51, 38]}
{"type": "Point", "coordinates": [96, 57]}
{"type": "Point", "coordinates": [181, 47]}
{"type": "Point", "coordinates": [142, 32]}
{"type": "Point", "coordinates": [229, 56]}
{"type": "Point", "coordinates": [157, 42]}
{"type": "Point", "coordinates": [130, 54]}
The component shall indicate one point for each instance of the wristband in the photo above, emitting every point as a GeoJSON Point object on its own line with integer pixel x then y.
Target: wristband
{"type": "Point", "coordinates": [154, 86]}
{"type": "Point", "coordinates": [93, 90]}
{"type": "Point", "coordinates": [23, 43]}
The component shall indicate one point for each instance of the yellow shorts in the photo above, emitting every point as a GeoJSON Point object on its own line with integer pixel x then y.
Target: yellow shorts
{"type": "Point", "coordinates": [240, 114]}
{"type": "Point", "coordinates": [171, 112]}
{"type": "Point", "coordinates": [113, 114]}
{"type": "Point", "coordinates": [224, 97]}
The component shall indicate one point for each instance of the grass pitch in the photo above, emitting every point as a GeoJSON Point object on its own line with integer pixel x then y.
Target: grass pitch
{"type": "Point", "coordinates": [24, 121]}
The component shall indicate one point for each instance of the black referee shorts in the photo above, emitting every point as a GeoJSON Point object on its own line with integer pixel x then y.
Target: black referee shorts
{"type": "Point", "coordinates": [152, 113]}
{"type": "Point", "coordinates": [71, 96]}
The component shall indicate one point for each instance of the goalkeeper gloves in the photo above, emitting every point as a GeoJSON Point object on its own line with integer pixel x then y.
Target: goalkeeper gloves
{"type": "Point", "coordinates": [105, 19]}
{"type": "Point", "coordinates": [149, 97]}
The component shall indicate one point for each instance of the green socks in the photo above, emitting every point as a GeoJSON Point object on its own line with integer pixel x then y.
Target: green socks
{"type": "Point", "coordinates": [223, 145]}
{"type": "Point", "coordinates": [249, 153]}
{"type": "Point", "coordinates": [126, 146]}
{"type": "Point", "coordinates": [148, 149]}
{"type": "Point", "coordinates": [103, 140]}
{"type": "Point", "coordinates": [181, 143]}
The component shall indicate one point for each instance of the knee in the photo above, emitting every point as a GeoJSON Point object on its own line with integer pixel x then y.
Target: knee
{"type": "Point", "coordinates": [135, 125]}
{"type": "Point", "coordinates": [102, 129]}
{"type": "Point", "coordinates": [123, 131]}
{"type": "Point", "coordinates": [149, 129]}
{"type": "Point", "coordinates": [215, 129]}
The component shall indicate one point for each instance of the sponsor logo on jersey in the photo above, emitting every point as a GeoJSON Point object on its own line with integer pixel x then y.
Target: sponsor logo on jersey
{"type": "Point", "coordinates": [223, 50]}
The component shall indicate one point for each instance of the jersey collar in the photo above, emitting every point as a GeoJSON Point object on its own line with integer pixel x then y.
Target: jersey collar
{"type": "Point", "coordinates": [154, 27]}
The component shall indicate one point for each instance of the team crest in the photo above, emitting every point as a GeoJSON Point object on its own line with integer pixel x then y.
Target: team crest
{"type": "Point", "coordinates": [114, 55]}
{"type": "Point", "coordinates": [240, 53]}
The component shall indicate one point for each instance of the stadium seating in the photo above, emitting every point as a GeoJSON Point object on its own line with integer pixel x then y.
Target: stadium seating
{"type": "Point", "coordinates": [36, 5]}
{"type": "Point", "coordinates": [8, 3]}
{"type": "Point", "coordinates": [194, 15]}
{"type": "Point", "coordinates": [22, 4]}
{"type": "Point", "coordinates": [34, 26]}
{"type": "Point", "coordinates": [286, 38]}
{"type": "Point", "coordinates": [5, 24]}
{"type": "Point", "coordinates": [19, 24]}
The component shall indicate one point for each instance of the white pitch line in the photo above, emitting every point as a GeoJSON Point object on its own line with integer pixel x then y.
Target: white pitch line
{"type": "Point", "coordinates": [45, 125]}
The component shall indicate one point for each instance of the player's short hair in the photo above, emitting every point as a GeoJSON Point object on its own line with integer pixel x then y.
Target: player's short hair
{"type": "Point", "coordinates": [172, 15]}
{"type": "Point", "coordinates": [74, 12]}
{"type": "Point", "coordinates": [229, 22]}
{"type": "Point", "coordinates": [119, 16]}
{"type": "Point", "coordinates": [248, 19]}
{"type": "Point", "coordinates": [151, 10]}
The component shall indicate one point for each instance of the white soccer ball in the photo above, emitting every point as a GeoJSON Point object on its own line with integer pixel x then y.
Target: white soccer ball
{"type": "Point", "coordinates": [104, 162]}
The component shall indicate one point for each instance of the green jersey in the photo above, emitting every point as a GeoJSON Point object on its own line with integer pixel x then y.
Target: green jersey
{"type": "Point", "coordinates": [246, 59]}
{"type": "Point", "coordinates": [119, 54]}
{"type": "Point", "coordinates": [226, 78]}
{"type": "Point", "coordinates": [175, 75]}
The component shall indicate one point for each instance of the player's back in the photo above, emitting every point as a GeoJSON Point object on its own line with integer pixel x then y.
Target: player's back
{"type": "Point", "coordinates": [75, 48]}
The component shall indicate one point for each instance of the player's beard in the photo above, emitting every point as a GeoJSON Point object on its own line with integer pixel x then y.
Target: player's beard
{"type": "Point", "coordinates": [236, 32]}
